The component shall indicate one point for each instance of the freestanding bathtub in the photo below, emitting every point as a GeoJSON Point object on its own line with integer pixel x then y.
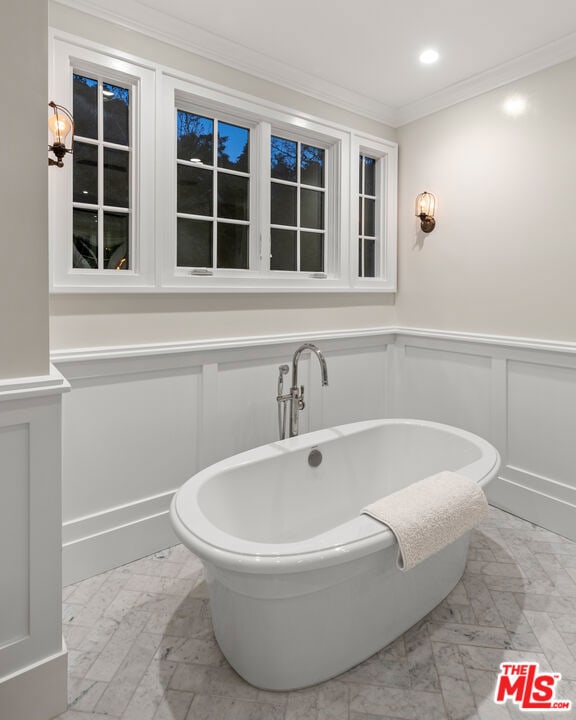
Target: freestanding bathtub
{"type": "Point", "coordinates": [302, 586]}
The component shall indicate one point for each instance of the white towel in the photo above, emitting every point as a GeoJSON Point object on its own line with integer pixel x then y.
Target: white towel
{"type": "Point", "coordinates": [430, 514]}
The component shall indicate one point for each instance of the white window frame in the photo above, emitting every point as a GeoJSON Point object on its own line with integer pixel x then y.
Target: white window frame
{"type": "Point", "coordinates": [329, 190]}
{"type": "Point", "coordinates": [68, 58]}
{"type": "Point", "coordinates": [157, 92]}
{"type": "Point", "coordinates": [202, 97]}
{"type": "Point", "coordinates": [184, 103]}
{"type": "Point", "coordinates": [386, 156]}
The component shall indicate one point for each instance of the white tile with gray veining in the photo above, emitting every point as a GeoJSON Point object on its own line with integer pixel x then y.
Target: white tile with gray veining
{"type": "Point", "coordinates": [141, 645]}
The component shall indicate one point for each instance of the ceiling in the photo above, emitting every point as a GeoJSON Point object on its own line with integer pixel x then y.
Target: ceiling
{"type": "Point", "coordinates": [363, 55]}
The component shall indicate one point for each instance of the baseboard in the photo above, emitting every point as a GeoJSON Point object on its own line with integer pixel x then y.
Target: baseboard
{"type": "Point", "coordinates": [90, 555]}
{"type": "Point", "coordinates": [536, 506]}
{"type": "Point", "coordinates": [37, 692]}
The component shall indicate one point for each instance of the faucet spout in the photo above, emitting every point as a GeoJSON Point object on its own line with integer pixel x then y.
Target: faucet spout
{"type": "Point", "coordinates": [296, 391]}
{"type": "Point", "coordinates": [294, 399]}
{"type": "Point", "coordinates": [295, 360]}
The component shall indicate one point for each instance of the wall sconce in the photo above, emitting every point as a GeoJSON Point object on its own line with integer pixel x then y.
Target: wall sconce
{"type": "Point", "coordinates": [60, 123]}
{"type": "Point", "coordinates": [425, 209]}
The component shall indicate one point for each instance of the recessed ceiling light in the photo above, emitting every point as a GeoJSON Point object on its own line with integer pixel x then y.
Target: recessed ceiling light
{"type": "Point", "coordinates": [108, 93]}
{"type": "Point", "coordinates": [429, 56]}
{"type": "Point", "coordinates": [195, 160]}
{"type": "Point", "coordinates": [515, 105]}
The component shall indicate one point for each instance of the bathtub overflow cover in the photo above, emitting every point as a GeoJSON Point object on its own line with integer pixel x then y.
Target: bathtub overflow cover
{"type": "Point", "coordinates": [315, 457]}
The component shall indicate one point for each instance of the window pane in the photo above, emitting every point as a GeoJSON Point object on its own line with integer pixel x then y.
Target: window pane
{"type": "Point", "coordinates": [283, 158]}
{"type": "Point", "coordinates": [116, 177]}
{"type": "Point", "coordinates": [232, 196]}
{"type": "Point", "coordinates": [194, 248]}
{"type": "Point", "coordinates": [233, 146]}
{"type": "Point", "coordinates": [369, 217]}
{"type": "Point", "coordinates": [195, 138]}
{"type": "Point", "coordinates": [312, 166]}
{"type": "Point", "coordinates": [85, 239]}
{"type": "Point", "coordinates": [85, 173]}
{"type": "Point", "coordinates": [360, 217]}
{"type": "Point", "coordinates": [195, 190]}
{"type": "Point", "coordinates": [283, 204]}
{"type": "Point", "coordinates": [232, 246]}
{"type": "Point", "coordinates": [369, 258]}
{"type": "Point", "coordinates": [85, 106]}
{"type": "Point", "coordinates": [311, 209]}
{"type": "Point", "coordinates": [360, 258]}
{"type": "Point", "coordinates": [311, 252]}
{"type": "Point", "coordinates": [116, 241]}
{"type": "Point", "coordinates": [369, 176]}
{"type": "Point", "coordinates": [116, 102]}
{"type": "Point", "coordinates": [360, 177]}
{"type": "Point", "coordinates": [283, 249]}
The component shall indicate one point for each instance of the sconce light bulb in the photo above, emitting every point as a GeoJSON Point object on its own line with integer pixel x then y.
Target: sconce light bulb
{"type": "Point", "coordinates": [60, 126]}
{"type": "Point", "coordinates": [425, 209]}
{"type": "Point", "coordinates": [60, 123]}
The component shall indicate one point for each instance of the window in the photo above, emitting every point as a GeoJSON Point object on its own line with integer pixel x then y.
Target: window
{"type": "Point", "coordinates": [367, 217]}
{"type": "Point", "coordinates": [178, 184]}
{"type": "Point", "coordinates": [102, 202]}
{"type": "Point", "coordinates": [213, 193]}
{"type": "Point", "coordinates": [297, 206]}
{"type": "Point", "coordinates": [254, 200]}
{"type": "Point", "coordinates": [374, 214]}
{"type": "Point", "coordinates": [102, 160]}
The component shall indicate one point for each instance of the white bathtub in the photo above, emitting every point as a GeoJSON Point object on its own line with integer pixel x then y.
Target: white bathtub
{"type": "Point", "coordinates": [303, 587]}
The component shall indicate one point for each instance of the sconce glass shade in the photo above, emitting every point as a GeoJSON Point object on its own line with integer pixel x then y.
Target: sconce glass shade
{"type": "Point", "coordinates": [425, 209]}
{"type": "Point", "coordinates": [60, 127]}
{"type": "Point", "coordinates": [60, 123]}
{"type": "Point", "coordinates": [425, 204]}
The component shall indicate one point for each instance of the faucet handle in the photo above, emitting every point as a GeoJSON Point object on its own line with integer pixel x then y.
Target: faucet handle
{"type": "Point", "coordinates": [301, 403]}
{"type": "Point", "coordinates": [282, 370]}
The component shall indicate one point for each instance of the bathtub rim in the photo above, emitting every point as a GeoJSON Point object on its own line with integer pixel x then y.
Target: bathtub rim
{"type": "Point", "coordinates": [362, 534]}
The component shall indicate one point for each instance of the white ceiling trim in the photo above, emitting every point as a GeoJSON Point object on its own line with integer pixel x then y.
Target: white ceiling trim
{"type": "Point", "coordinates": [532, 62]}
{"type": "Point", "coordinates": [156, 24]}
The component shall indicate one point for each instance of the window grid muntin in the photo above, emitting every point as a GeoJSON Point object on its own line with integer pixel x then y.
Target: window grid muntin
{"type": "Point", "coordinates": [100, 208]}
{"type": "Point", "coordinates": [301, 186]}
{"type": "Point", "coordinates": [215, 169]}
{"type": "Point", "coordinates": [363, 196]}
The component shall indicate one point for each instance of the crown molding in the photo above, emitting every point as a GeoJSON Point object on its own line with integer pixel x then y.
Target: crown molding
{"type": "Point", "coordinates": [135, 16]}
{"type": "Point", "coordinates": [546, 56]}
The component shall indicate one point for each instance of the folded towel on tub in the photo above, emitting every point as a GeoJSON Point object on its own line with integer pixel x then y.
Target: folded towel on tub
{"type": "Point", "coordinates": [430, 514]}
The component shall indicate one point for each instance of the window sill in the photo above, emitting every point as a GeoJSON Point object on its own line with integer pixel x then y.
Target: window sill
{"type": "Point", "coordinates": [211, 284]}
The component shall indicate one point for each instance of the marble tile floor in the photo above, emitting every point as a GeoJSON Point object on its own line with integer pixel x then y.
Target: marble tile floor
{"type": "Point", "coordinates": [141, 645]}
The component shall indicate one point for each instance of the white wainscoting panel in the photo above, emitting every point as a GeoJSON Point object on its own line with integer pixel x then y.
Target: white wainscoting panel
{"type": "Point", "coordinates": [141, 420]}
{"type": "Point", "coordinates": [128, 437]}
{"type": "Point", "coordinates": [518, 394]}
{"type": "Point", "coordinates": [139, 423]}
{"type": "Point", "coordinates": [542, 420]}
{"type": "Point", "coordinates": [129, 440]}
{"type": "Point", "coordinates": [448, 385]}
{"type": "Point", "coordinates": [539, 477]}
{"type": "Point", "coordinates": [14, 516]}
{"type": "Point", "coordinates": [246, 404]}
{"type": "Point", "coordinates": [356, 387]}
{"type": "Point", "coordinates": [32, 654]}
